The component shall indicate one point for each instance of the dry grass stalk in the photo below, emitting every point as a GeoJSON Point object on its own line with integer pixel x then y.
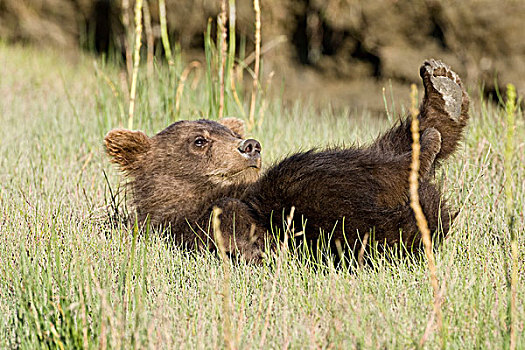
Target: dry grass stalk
{"type": "Point", "coordinates": [164, 32]}
{"type": "Point", "coordinates": [235, 95]}
{"type": "Point", "coordinates": [126, 23]}
{"type": "Point", "coordinates": [221, 21]}
{"type": "Point", "coordinates": [124, 83]}
{"type": "Point", "coordinates": [231, 47]}
{"type": "Point", "coordinates": [237, 72]}
{"type": "Point", "coordinates": [136, 61]}
{"type": "Point", "coordinates": [361, 254]}
{"type": "Point", "coordinates": [244, 64]}
{"type": "Point", "coordinates": [149, 37]}
{"type": "Point", "coordinates": [231, 71]}
{"type": "Point", "coordinates": [289, 228]}
{"type": "Point", "coordinates": [264, 49]}
{"type": "Point", "coordinates": [510, 107]}
{"type": "Point", "coordinates": [183, 77]}
{"type": "Point", "coordinates": [83, 318]}
{"type": "Point", "coordinates": [265, 101]}
{"type": "Point", "coordinates": [241, 319]}
{"type": "Point", "coordinates": [113, 88]}
{"type": "Point", "coordinates": [418, 211]}
{"type": "Point", "coordinates": [105, 310]}
{"type": "Point", "coordinates": [226, 307]}
{"type": "Point", "coordinates": [257, 8]}
{"type": "Point", "coordinates": [284, 248]}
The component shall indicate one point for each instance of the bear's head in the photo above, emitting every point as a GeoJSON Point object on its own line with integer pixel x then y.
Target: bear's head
{"type": "Point", "coordinates": [184, 162]}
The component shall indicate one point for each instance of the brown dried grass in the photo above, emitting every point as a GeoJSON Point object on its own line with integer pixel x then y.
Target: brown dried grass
{"type": "Point", "coordinates": [420, 216]}
{"type": "Point", "coordinates": [257, 9]}
{"type": "Point", "coordinates": [226, 296]}
{"type": "Point", "coordinates": [221, 21]}
{"type": "Point", "coordinates": [136, 61]}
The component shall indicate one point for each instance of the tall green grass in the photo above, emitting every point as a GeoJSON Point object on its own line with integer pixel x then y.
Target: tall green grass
{"type": "Point", "coordinates": [68, 279]}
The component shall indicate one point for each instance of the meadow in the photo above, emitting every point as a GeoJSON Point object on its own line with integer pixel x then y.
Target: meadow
{"type": "Point", "coordinates": [70, 279]}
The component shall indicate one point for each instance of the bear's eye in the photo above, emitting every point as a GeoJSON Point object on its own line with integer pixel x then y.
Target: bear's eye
{"type": "Point", "coordinates": [200, 142]}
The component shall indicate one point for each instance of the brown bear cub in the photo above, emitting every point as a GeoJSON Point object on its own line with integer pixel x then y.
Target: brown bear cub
{"type": "Point", "coordinates": [179, 175]}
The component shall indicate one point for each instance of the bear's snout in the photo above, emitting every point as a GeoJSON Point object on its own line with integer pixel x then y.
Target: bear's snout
{"type": "Point", "coordinates": [250, 148]}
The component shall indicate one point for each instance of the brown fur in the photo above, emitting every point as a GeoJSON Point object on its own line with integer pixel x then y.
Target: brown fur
{"type": "Point", "coordinates": [177, 181]}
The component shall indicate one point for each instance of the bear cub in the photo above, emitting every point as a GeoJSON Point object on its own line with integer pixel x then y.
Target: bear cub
{"type": "Point", "coordinates": [179, 175]}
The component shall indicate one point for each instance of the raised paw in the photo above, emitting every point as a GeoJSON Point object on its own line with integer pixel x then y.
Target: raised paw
{"type": "Point", "coordinates": [444, 90]}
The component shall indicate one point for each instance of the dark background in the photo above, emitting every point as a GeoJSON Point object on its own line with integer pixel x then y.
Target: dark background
{"type": "Point", "coordinates": [342, 51]}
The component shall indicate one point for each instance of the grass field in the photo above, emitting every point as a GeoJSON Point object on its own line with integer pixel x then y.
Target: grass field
{"type": "Point", "coordinates": [69, 280]}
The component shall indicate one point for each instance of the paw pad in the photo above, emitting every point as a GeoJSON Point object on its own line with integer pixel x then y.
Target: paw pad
{"type": "Point", "coordinates": [439, 78]}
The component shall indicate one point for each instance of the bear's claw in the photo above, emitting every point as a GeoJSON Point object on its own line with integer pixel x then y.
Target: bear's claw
{"type": "Point", "coordinates": [439, 78]}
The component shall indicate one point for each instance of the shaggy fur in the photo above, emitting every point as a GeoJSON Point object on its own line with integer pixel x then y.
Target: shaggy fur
{"type": "Point", "coordinates": [183, 172]}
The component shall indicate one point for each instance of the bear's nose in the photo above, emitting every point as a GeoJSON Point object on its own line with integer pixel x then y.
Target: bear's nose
{"type": "Point", "coordinates": [250, 147]}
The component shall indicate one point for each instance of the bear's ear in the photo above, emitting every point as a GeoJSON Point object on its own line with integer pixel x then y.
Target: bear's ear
{"type": "Point", "coordinates": [126, 146]}
{"type": "Point", "coordinates": [234, 124]}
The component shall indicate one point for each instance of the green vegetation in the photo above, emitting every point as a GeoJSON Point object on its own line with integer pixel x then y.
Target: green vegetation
{"type": "Point", "coordinates": [68, 279]}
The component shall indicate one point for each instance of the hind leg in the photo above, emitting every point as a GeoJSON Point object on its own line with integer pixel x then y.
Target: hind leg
{"type": "Point", "coordinates": [396, 170]}
{"type": "Point", "coordinates": [444, 107]}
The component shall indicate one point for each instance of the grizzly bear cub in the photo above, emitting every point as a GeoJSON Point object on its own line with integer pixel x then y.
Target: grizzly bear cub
{"type": "Point", "coordinates": [179, 175]}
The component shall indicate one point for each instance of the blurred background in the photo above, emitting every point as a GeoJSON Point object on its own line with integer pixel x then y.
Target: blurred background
{"type": "Point", "coordinates": [342, 52]}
